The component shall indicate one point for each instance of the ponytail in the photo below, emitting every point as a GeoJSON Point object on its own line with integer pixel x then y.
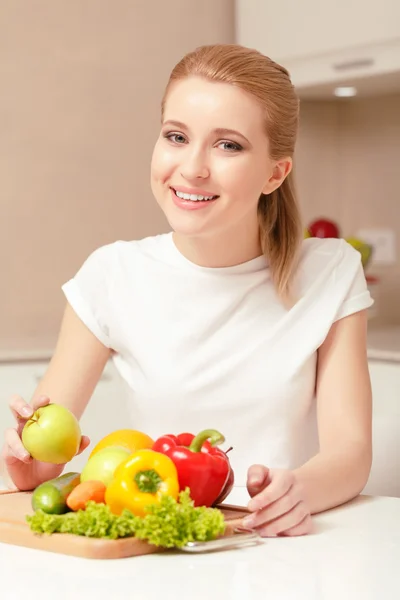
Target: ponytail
{"type": "Point", "coordinates": [281, 235]}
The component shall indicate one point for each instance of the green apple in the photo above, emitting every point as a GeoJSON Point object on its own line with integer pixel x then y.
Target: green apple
{"type": "Point", "coordinates": [52, 434]}
{"type": "Point", "coordinates": [101, 466]}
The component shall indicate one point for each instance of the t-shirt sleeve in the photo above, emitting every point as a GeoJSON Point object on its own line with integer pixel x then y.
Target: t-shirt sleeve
{"type": "Point", "coordinates": [88, 293]}
{"type": "Point", "coordinates": [357, 296]}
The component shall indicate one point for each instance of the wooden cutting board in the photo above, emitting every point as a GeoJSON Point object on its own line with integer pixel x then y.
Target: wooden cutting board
{"type": "Point", "coordinates": [14, 506]}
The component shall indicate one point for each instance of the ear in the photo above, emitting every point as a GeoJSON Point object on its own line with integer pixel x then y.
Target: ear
{"type": "Point", "coordinates": [280, 171]}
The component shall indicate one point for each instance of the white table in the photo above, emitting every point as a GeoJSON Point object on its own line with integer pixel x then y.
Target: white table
{"type": "Point", "coordinates": [354, 554]}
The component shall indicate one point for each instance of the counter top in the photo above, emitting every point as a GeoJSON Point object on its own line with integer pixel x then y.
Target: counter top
{"type": "Point", "coordinates": [32, 355]}
{"type": "Point", "coordinates": [384, 343]}
{"type": "Point", "coordinates": [353, 553]}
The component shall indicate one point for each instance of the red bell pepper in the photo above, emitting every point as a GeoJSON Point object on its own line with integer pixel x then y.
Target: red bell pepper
{"type": "Point", "coordinates": [201, 466]}
{"type": "Point", "coordinates": [228, 485]}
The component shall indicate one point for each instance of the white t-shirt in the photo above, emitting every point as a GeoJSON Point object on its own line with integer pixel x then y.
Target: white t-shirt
{"type": "Point", "coordinates": [214, 348]}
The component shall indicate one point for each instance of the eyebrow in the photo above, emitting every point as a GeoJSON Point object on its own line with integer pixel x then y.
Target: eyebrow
{"type": "Point", "coordinates": [219, 130]}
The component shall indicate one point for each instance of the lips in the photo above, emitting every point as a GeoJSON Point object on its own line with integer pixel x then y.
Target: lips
{"type": "Point", "coordinates": [194, 191]}
{"type": "Point", "coordinates": [191, 204]}
{"type": "Point", "coordinates": [193, 198]}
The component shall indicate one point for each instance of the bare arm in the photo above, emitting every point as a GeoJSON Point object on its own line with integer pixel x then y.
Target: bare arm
{"type": "Point", "coordinates": [76, 366]}
{"type": "Point", "coordinates": [70, 380]}
{"type": "Point", "coordinates": [283, 500]}
{"type": "Point", "coordinates": [344, 405]}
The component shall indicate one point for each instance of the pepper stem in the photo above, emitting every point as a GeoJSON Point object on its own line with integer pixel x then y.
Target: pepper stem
{"type": "Point", "coordinates": [148, 481]}
{"type": "Point", "coordinates": [216, 438]}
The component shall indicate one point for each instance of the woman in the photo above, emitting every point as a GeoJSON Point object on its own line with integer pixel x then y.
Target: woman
{"type": "Point", "coordinates": [231, 321]}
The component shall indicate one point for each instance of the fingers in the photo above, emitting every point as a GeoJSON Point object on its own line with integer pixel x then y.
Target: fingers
{"type": "Point", "coordinates": [22, 411]}
{"type": "Point", "coordinates": [14, 449]}
{"type": "Point", "coordinates": [297, 521]}
{"type": "Point", "coordinates": [40, 401]}
{"type": "Point", "coordinates": [257, 479]}
{"type": "Point", "coordinates": [279, 507]}
{"type": "Point", "coordinates": [280, 484]}
{"type": "Point", "coordinates": [277, 504]}
{"type": "Point", "coordinates": [20, 408]}
{"type": "Point", "coordinates": [85, 441]}
{"type": "Point", "coordinates": [287, 521]}
{"type": "Point", "coordinates": [303, 528]}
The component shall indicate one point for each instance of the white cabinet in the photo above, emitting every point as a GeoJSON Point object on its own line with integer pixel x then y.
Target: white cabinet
{"type": "Point", "coordinates": [385, 473]}
{"type": "Point", "coordinates": [289, 29]}
{"type": "Point", "coordinates": [321, 41]}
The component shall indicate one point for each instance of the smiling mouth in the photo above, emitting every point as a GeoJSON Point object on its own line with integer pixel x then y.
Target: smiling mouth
{"type": "Point", "coordinates": [193, 197]}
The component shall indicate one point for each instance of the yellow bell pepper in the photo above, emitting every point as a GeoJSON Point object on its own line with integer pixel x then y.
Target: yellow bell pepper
{"type": "Point", "coordinates": [140, 480]}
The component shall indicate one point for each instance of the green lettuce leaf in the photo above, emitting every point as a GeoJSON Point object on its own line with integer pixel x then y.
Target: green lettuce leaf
{"type": "Point", "coordinates": [170, 524]}
{"type": "Point", "coordinates": [174, 524]}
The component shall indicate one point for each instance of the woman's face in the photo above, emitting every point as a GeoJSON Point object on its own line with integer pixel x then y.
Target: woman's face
{"type": "Point", "coordinates": [211, 161]}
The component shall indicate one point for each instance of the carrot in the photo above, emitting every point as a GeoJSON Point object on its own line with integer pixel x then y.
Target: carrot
{"type": "Point", "coordinates": [85, 491]}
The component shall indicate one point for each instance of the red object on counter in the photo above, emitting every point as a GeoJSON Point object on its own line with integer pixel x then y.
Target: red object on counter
{"type": "Point", "coordinates": [202, 467]}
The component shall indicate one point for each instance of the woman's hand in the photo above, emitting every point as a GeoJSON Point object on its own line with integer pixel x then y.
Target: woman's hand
{"type": "Point", "coordinates": [25, 472]}
{"type": "Point", "coordinates": [277, 502]}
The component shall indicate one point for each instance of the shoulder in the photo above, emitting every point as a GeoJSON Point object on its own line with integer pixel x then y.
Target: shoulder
{"type": "Point", "coordinates": [322, 249]}
{"type": "Point", "coordinates": [326, 260]}
{"type": "Point", "coordinates": [123, 252]}
{"type": "Point", "coordinates": [317, 253]}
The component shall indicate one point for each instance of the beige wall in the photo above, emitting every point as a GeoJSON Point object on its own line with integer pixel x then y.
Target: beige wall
{"type": "Point", "coordinates": [79, 107]}
{"type": "Point", "coordinates": [81, 84]}
{"type": "Point", "coordinates": [348, 159]}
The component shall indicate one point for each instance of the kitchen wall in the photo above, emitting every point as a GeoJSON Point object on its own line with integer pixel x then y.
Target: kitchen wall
{"type": "Point", "coordinates": [81, 87]}
{"type": "Point", "coordinates": [79, 107]}
{"type": "Point", "coordinates": [347, 169]}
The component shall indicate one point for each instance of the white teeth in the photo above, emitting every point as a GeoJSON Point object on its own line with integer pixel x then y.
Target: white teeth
{"type": "Point", "coordinates": [192, 197]}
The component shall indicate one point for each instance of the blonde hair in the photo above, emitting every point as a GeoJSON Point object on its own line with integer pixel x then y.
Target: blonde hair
{"type": "Point", "coordinates": [278, 212]}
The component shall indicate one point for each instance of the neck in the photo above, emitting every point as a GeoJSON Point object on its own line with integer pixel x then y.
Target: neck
{"type": "Point", "coordinates": [218, 251]}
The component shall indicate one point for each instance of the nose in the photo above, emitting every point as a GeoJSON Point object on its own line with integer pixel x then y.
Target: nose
{"type": "Point", "coordinates": [194, 165]}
